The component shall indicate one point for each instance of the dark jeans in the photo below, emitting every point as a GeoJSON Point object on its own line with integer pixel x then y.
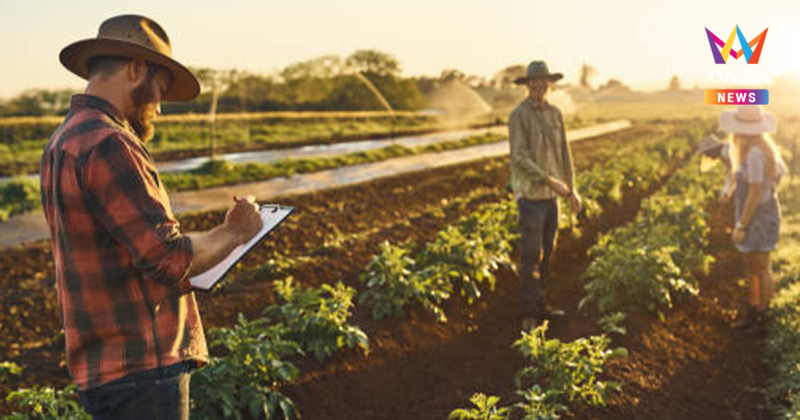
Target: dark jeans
{"type": "Point", "coordinates": [538, 225]}
{"type": "Point", "coordinates": [161, 393]}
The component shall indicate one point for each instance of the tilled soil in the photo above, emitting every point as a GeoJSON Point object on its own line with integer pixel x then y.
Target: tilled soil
{"type": "Point", "coordinates": [693, 365]}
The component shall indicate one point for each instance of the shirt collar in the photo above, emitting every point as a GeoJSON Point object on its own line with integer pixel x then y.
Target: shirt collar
{"type": "Point", "coordinates": [535, 104]}
{"type": "Point", "coordinates": [96, 102]}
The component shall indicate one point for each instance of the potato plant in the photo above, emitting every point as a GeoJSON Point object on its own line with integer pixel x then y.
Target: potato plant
{"type": "Point", "coordinates": [567, 373]}
{"type": "Point", "coordinates": [558, 376]}
{"type": "Point", "coordinates": [467, 254]}
{"type": "Point", "coordinates": [485, 409]}
{"type": "Point", "coordinates": [243, 383]}
{"type": "Point", "coordinates": [393, 285]}
{"type": "Point", "coordinates": [47, 404]}
{"type": "Point", "coordinates": [316, 318]}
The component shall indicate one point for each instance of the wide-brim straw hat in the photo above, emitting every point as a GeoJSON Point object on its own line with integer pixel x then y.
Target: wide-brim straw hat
{"type": "Point", "coordinates": [748, 119]}
{"type": "Point", "coordinates": [538, 70]}
{"type": "Point", "coordinates": [135, 37]}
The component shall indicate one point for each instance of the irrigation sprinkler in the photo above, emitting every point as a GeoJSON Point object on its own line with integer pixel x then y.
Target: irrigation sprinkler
{"type": "Point", "coordinates": [360, 76]}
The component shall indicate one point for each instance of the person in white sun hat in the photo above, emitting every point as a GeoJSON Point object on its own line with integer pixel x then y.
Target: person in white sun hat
{"type": "Point", "coordinates": [756, 169]}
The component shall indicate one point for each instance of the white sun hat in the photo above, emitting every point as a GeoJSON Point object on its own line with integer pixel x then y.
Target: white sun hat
{"type": "Point", "coordinates": [748, 119]}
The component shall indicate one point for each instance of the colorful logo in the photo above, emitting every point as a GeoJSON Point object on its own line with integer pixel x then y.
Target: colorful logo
{"type": "Point", "coordinates": [752, 56]}
{"type": "Point", "coordinates": [737, 97]}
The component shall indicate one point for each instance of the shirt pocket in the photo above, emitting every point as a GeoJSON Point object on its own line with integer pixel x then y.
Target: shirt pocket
{"type": "Point", "coordinates": [553, 124]}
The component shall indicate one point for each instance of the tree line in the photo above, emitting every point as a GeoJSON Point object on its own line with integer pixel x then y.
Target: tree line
{"type": "Point", "coordinates": [327, 83]}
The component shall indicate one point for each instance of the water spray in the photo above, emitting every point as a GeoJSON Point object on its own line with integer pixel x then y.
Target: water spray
{"type": "Point", "coordinates": [381, 99]}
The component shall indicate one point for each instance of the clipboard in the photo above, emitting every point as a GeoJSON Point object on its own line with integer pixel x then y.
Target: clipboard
{"type": "Point", "coordinates": [271, 216]}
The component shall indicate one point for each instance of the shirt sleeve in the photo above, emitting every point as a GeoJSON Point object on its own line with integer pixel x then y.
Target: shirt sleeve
{"type": "Point", "coordinates": [755, 166]}
{"type": "Point", "coordinates": [128, 201]}
{"type": "Point", "coordinates": [521, 154]}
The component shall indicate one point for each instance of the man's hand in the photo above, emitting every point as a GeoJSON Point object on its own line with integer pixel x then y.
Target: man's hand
{"type": "Point", "coordinates": [243, 220]}
{"type": "Point", "coordinates": [561, 189]}
{"type": "Point", "coordinates": [575, 203]}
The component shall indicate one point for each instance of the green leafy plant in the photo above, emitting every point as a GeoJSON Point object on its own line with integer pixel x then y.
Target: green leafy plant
{"type": "Point", "coordinates": [537, 405]}
{"type": "Point", "coordinates": [567, 373]}
{"type": "Point", "coordinates": [629, 277]}
{"type": "Point", "coordinates": [9, 369]}
{"type": "Point", "coordinates": [467, 254]}
{"type": "Point", "coordinates": [485, 409]}
{"type": "Point", "coordinates": [612, 323]}
{"type": "Point", "coordinates": [244, 381]}
{"type": "Point", "coordinates": [316, 318]}
{"type": "Point", "coordinates": [392, 285]}
{"type": "Point", "coordinates": [47, 404]}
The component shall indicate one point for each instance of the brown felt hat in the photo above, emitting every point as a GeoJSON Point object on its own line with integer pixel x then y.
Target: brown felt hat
{"type": "Point", "coordinates": [538, 70]}
{"type": "Point", "coordinates": [135, 37]}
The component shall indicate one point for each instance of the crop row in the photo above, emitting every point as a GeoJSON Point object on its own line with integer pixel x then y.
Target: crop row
{"type": "Point", "coordinates": [463, 257]}
{"type": "Point", "coordinates": [254, 358]}
{"type": "Point", "coordinates": [637, 266]}
{"type": "Point", "coordinates": [644, 264]}
{"type": "Point", "coordinates": [21, 195]}
{"type": "Point", "coordinates": [21, 145]}
{"type": "Point", "coordinates": [782, 348]}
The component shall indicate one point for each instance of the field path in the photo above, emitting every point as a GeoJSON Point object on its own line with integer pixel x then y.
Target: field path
{"type": "Point", "coordinates": [32, 226]}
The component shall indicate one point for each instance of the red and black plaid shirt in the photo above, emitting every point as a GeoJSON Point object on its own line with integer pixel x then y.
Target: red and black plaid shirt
{"type": "Point", "coordinates": [121, 261]}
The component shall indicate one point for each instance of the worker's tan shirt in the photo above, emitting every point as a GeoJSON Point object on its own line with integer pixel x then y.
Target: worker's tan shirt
{"type": "Point", "coordinates": [538, 149]}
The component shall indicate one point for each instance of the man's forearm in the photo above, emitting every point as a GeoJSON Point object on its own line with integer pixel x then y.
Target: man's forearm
{"type": "Point", "coordinates": [211, 247]}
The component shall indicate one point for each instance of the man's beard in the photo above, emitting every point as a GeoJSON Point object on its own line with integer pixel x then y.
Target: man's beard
{"type": "Point", "coordinates": [144, 109]}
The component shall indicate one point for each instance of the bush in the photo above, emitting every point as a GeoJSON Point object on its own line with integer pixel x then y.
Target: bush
{"type": "Point", "coordinates": [18, 196]}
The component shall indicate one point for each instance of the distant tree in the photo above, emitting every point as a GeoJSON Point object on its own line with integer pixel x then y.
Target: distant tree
{"type": "Point", "coordinates": [614, 85]}
{"type": "Point", "coordinates": [587, 74]}
{"type": "Point", "coordinates": [324, 67]}
{"type": "Point", "coordinates": [26, 103]}
{"type": "Point", "coordinates": [254, 92]}
{"type": "Point", "coordinates": [426, 84]}
{"type": "Point", "coordinates": [37, 102]}
{"type": "Point", "coordinates": [373, 62]}
{"type": "Point", "coordinates": [452, 75]}
{"type": "Point", "coordinates": [352, 94]}
{"type": "Point", "coordinates": [674, 84]}
{"type": "Point", "coordinates": [215, 82]}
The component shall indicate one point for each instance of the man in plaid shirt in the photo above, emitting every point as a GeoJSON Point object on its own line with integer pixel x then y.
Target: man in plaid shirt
{"type": "Point", "coordinates": [132, 327]}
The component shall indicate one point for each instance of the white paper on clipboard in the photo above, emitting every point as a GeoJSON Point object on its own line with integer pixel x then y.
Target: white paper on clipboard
{"type": "Point", "coordinates": [271, 216]}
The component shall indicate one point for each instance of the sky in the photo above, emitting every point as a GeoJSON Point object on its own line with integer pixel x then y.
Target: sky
{"type": "Point", "coordinates": [642, 43]}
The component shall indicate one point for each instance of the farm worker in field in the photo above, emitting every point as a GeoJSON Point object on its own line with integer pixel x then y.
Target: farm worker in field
{"type": "Point", "coordinates": [133, 331]}
{"type": "Point", "coordinates": [541, 172]}
{"type": "Point", "coordinates": [757, 168]}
